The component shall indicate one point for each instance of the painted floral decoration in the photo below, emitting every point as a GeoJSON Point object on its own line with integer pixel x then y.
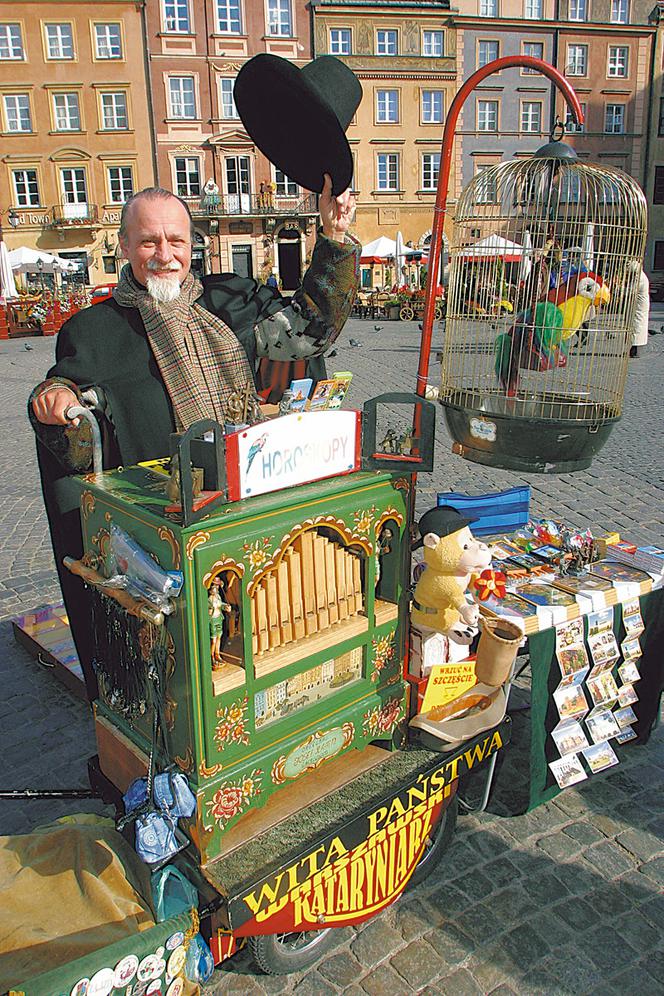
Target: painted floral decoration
{"type": "Point", "coordinates": [257, 553]}
{"type": "Point", "coordinates": [383, 718]}
{"type": "Point", "coordinates": [384, 652]}
{"type": "Point", "coordinates": [233, 798]}
{"type": "Point", "coordinates": [231, 728]}
{"type": "Point", "coordinates": [490, 583]}
{"type": "Point", "coordinates": [363, 519]}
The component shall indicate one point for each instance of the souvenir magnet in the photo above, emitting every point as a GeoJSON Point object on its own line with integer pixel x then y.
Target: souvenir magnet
{"type": "Point", "coordinates": [81, 988]}
{"type": "Point", "coordinates": [102, 982]}
{"type": "Point", "coordinates": [154, 989]}
{"type": "Point", "coordinates": [125, 970]}
{"type": "Point", "coordinates": [146, 969]}
{"type": "Point", "coordinates": [175, 940]}
{"type": "Point", "coordinates": [177, 960]}
{"type": "Point", "coordinates": [176, 988]}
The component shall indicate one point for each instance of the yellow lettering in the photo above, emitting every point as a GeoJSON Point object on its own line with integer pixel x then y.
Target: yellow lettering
{"type": "Point", "coordinates": [476, 753]}
{"type": "Point", "coordinates": [356, 897]}
{"type": "Point", "coordinates": [496, 742]}
{"type": "Point", "coordinates": [266, 896]}
{"type": "Point", "coordinates": [376, 819]}
{"type": "Point", "coordinates": [342, 893]}
{"type": "Point", "coordinates": [337, 850]}
{"type": "Point", "coordinates": [312, 860]}
{"type": "Point", "coordinates": [417, 793]}
{"type": "Point", "coordinates": [380, 877]}
{"type": "Point", "coordinates": [318, 903]}
{"type": "Point", "coordinates": [370, 861]}
{"type": "Point", "coordinates": [302, 910]}
{"type": "Point", "coordinates": [454, 767]}
{"type": "Point", "coordinates": [396, 809]}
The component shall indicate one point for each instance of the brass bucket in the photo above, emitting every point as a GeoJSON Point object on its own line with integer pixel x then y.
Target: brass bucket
{"type": "Point", "coordinates": [497, 649]}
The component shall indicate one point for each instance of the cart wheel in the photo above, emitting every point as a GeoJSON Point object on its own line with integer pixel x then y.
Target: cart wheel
{"type": "Point", "coordinates": [406, 314]}
{"type": "Point", "coordinates": [438, 313]}
{"type": "Point", "coordinates": [280, 954]}
{"type": "Point", "coordinates": [436, 845]}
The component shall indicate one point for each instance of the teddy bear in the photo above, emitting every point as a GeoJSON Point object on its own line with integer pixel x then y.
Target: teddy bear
{"type": "Point", "coordinates": [452, 556]}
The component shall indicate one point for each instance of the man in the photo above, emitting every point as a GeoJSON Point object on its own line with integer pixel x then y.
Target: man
{"type": "Point", "coordinates": [168, 349]}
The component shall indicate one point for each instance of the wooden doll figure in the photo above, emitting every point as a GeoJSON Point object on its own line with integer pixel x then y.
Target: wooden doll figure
{"type": "Point", "coordinates": [216, 609]}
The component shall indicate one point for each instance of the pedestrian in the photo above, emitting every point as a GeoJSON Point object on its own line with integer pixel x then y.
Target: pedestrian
{"type": "Point", "coordinates": [167, 349]}
{"type": "Point", "coordinates": [272, 280]}
{"type": "Point", "coordinates": [641, 314]}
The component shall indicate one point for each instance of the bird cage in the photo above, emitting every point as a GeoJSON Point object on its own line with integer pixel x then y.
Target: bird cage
{"type": "Point", "coordinates": [545, 266]}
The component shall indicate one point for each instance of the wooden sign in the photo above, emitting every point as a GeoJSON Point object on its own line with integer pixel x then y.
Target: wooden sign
{"type": "Point", "coordinates": [294, 449]}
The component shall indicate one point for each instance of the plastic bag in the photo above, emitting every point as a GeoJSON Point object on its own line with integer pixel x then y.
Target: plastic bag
{"type": "Point", "coordinates": [172, 893]}
{"type": "Point", "coordinates": [155, 837]}
{"type": "Point", "coordinates": [172, 794]}
{"type": "Point", "coordinates": [199, 965]}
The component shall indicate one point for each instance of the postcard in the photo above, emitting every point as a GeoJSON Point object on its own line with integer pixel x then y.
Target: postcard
{"type": "Point", "coordinates": [601, 724]}
{"type": "Point", "coordinates": [619, 573]}
{"type": "Point", "coordinates": [631, 648]}
{"type": "Point", "coordinates": [540, 593]}
{"type": "Point", "coordinates": [320, 399]}
{"type": "Point", "coordinates": [572, 661]}
{"type": "Point", "coordinates": [300, 389]}
{"type": "Point", "coordinates": [632, 619]}
{"type": "Point", "coordinates": [600, 622]}
{"type": "Point", "coordinates": [568, 770]}
{"type": "Point", "coordinates": [629, 672]}
{"type": "Point", "coordinates": [600, 756]}
{"type": "Point", "coordinates": [342, 379]}
{"type": "Point", "coordinates": [625, 735]}
{"type": "Point", "coordinates": [604, 649]}
{"type": "Point", "coordinates": [571, 701]}
{"type": "Point", "coordinates": [627, 695]}
{"type": "Point", "coordinates": [569, 737]}
{"type": "Point", "coordinates": [551, 554]}
{"type": "Point", "coordinates": [569, 634]}
{"type": "Point", "coordinates": [603, 689]}
{"type": "Point", "coordinates": [625, 716]}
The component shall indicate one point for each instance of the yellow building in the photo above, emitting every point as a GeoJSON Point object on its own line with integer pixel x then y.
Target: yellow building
{"type": "Point", "coordinates": [404, 55]}
{"type": "Point", "coordinates": [76, 129]}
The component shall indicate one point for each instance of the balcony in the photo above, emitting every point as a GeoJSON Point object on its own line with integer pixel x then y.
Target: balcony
{"type": "Point", "coordinates": [253, 206]}
{"type": "Point", "coordinates": [74, 216]}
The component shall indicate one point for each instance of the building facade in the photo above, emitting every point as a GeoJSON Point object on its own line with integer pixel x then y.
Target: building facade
{"type": "Point", "coordinates": [76, 127]}
{"type": "Point", "coordinates": [405, 56]}
{"type": "Point", "coordinates": [248, 217]}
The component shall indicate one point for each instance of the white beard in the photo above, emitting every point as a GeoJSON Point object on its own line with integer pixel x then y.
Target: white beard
{"type": "Point", "coordinates": [163, 290]}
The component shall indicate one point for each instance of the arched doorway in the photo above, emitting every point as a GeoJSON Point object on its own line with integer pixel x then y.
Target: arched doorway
{"type": "Point", "coordinates": [289, 258]}
{"type": "Point", "coordinates": [198, 252]}
{"type": "Point", "coordinates": [425, 242]}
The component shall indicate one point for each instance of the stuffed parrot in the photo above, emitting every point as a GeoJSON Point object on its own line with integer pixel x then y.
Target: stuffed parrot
{"type": "Point", "coordinates": [540, 338]}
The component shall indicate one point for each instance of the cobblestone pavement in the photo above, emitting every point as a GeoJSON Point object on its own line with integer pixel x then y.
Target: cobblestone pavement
{"type": "Point", "coordinates": [565, 900]}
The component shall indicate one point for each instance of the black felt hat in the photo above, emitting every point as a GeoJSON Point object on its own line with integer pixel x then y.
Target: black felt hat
{"type": "Point", "coordinates": [443, 520]}
{"type": "Point", "coordinates": [298, 117]}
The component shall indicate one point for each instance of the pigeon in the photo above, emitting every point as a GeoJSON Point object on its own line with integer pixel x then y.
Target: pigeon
{"type": "Point", "coordinates": [354, 342]}
{"type": "Point", "coordinates": [378, 328]}
{"type": "Point", "coordinates": [332, 352]}
{"type": "Point", "coordinates": [27, 346]}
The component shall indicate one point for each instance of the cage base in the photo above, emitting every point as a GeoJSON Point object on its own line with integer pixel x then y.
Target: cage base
{"type": "Point", "coordinates": [531, 445]}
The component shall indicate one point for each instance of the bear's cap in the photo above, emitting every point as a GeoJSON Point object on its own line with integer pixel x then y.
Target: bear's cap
{"type": "Point", "coordinates": [444, 520]}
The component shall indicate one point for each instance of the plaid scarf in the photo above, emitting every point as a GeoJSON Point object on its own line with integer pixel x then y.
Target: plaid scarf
{"type": "Point", "coordinates": [199, 357]}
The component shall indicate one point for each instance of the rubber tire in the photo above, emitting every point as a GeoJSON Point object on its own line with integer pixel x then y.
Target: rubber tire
{"type": "Point", "coordinates": [440, 840]}
{"type": "Point", "coordinates": [275, 957]}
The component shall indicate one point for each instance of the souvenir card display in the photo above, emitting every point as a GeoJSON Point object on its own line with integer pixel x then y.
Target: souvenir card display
{"type": "Point", "coordinates": [648, 558]}
{"type": "Point", "coordinates": [299, 393]}
{"type": "Point", "coordinates": [561, 605]}
{"type": "Point", "coordinates": [632, 619]}
{"type": "Point", "coordinates": [571, 701]}
{"type": "Point", "coordinates": [569, 737]}
{"type": "Point", "coordinates": [330, 393]}
{"type": "Point", "coordinates": [603, 689]}
{"type": "Point", "coordinates": [601, 724]}
{"type": "Point", "coordinates": [601, 641]}
{"type": "Point", "coordinates": [588, 588]}
{"type": "Point", "coordinates": [629, 581]}
{"type": "Point", "coordinates": [625, 735]}
{"type": "Point", "coordinates": [625, 717]}
{"type": "Point", "coordinates": [600, 756]}
{"type": "Point", "coordinates": [627, 695]}
{"type": "Point", "coordinates": [628, 672]}
{"type": "Point", "coordinates": [571, 653]}
{"type": "Point", "coordinates": [568, 770]}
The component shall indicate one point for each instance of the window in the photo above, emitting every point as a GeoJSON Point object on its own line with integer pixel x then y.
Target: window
{"type": "Point", "coordinates": [182, 98]}
{"type": "Point", "coordinates": [340, 41]}
{"type": "Point", "coordinates": [284, 186]}
{"type": "Point", "coordinates": [658, 189]}
{"type": "Point", "coordinates": [114, 111]}
{"type": "Point", "coordinates": [660, 127]}
{"type": "Point", "coordinates": [108, 41]}
{"type": "Point", "coordinates": [228, 17]}
{"type": "Point", "coordinates": [228, 108]}
{"type": "Point", "coordinates": [433, 43]}
{"type": "Point", "coordinates": [176, 16]}
{"type": "Point", "coordinates": [488, 8]}
{"type": "Point", "coordinates": [619, 11]}
{"type": "Point", "coordinates": [187, 176]}
{"type": "Point", "coordinates": [387, 42]}
{"type": "Point", "coordinates": [531, 116]}
{"type": "Point", "coordinates": [11, 45]}
{"type": "Point", "coordinates": [432, 106]}
{"type": "Point", "coordinates": [577, 10]}
{"type": "Point", "coordinates": [388, 170]}
{"type": "Point", "coordinates": [59, 41]}
{"type": "Point", "coordinates": [570, 187]}
{"type": "Point", "coordinates": [487, 115]}
{"type": "Point", "coordinates": [17, 112]}
{"type": "Point", "coordinates": [387, 106]}
{"type": "Point", "coordinates": [658, 256]}
{"type": "Point", "coordinates": [26, 188]}
{"type": "Point", "coordinates": [279, 20]}
{"type": "Point", "coordinates": [614, 119]}
{"type": "Point", "coordinates": [74, 190]}
{"type": "Point", "coordinates": [618, 61]}
{"type": "Point", "coordinates": [536, 51]}
{"type": "Point", "coordinates": [486, 190]}
{"type": "Point", "coordinates": [532, 10]}
{"type": "Point", "coordinates": [238, 184]}
{"type": "Point", "coordinates": [66, 112]}
{"type": "Point", "coordinates": [571, 125]}
{"type": "Point", "coordinates": [577, 60]}
{"type": "Point", "coordinates": [487, 51]}
{"type": "Point", "coordinates": [430, 169]}
{"type": "Point", "coordinates": [120, 183]}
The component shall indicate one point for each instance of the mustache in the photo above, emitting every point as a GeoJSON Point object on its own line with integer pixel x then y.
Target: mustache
{"type": "Point", "coordinates": [155, 267]}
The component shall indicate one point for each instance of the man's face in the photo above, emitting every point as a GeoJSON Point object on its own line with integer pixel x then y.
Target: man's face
{"type": "Point", "coordinates": [158, 240]}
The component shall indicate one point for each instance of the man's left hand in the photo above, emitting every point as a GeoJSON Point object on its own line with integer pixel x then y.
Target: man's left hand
{"type": "Point", "coordinates": [336, 213]}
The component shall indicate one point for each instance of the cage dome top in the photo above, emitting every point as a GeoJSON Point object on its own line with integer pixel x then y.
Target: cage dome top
{"type": "Point", "coordinates": [555, 150]}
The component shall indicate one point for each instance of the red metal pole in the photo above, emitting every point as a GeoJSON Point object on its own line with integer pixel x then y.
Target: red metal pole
{"type": "Point", "coordinates": [444, 178]}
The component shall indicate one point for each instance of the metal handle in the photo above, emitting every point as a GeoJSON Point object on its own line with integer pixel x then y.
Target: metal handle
{"type": "Point", "coordinates": [80, 411]}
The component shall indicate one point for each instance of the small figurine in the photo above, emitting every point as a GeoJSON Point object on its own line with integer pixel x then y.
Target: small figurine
{"type": "Point", "coordinates": [390, 443]}
{"type": "Point", "coordinates": [452, 556]}
{"type": "Point", "coordinates": [383, 546]}
{"type": "Point", "coordinates": [242, 408]}
{"type": "Point", "coordinates": [216, 609]}
{"type": "Point", "coordinates": [286, 402]}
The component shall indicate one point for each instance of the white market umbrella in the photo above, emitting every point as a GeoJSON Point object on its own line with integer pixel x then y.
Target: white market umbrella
{"type": "Point", "coordinates": [378, 250]}
{"type": "Point", "coordinates": [525, 266]}
{"type": "Point", "coordinates": [494, 246]}
{"type": "Point", "coordinates": [24, 260]}
{"type": "Point", "coordinates": [7, 285]}
{"type": "Point", "coordinates": [589, 246]}
{"type": "Point", "coordinates": [399, 256]}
